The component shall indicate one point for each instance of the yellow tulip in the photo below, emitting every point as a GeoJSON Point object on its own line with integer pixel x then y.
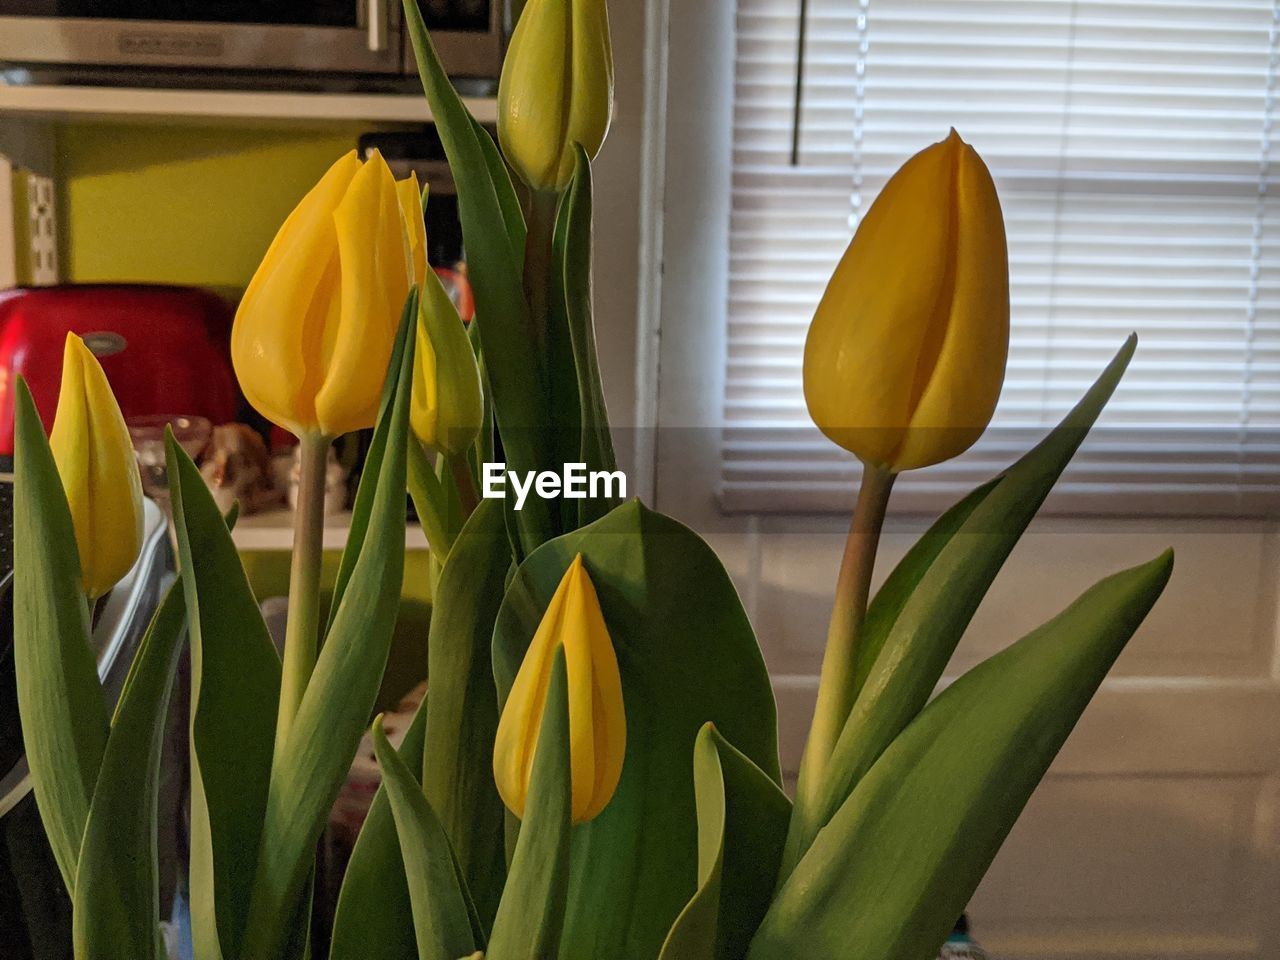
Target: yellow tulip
{"type": "Point", "coordinates": [95, 460]}
{"type": "Point", "coordinates": [556, 89]}
{"type": "Point", "coordinates": [447, 404]}
{"type": "Point", "coordinates": [597, 722]}
{"type": "Point", "coordinates": [315, 329]}
{"type": "Point", "coordinates": [905, 357]}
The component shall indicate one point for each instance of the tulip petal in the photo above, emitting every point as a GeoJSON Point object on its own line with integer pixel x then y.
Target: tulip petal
{"type": "Point", "coordinates": [608, 718]}
{"type": "Point", "coordinates": [956, 404]}
{"type": "Point", "coordinates": [577, 628]}
{"type": "Point", "coordinates": [95, 459]}
{"type": "Point", "coordinates": [424, 407]}
{"type": "Point", "coordinates": [69, 441]}
{"type": "Point", "coordinates": [879, 324]}
{"type": "Point", "coordinates": [410, 196]}
{"type": "Point", "coordinates": [372, 251]}
{"type": "Point", "coordinates": [575, 623]}
{"type": "Point", "coordinates": [533, 94]}
{"type": "Point", "coordinates": [518, 725]}
{"type": "Point", "coordinates": [591, 87]}
{"type": "Point", "coordinates": [277, 339]}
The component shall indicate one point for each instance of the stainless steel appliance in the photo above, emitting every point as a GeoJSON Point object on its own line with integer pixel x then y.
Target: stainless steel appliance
{"type": "Point", "coordinates": [347, 37]}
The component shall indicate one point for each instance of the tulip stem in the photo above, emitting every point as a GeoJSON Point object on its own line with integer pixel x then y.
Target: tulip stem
{"type": "Point", "coordinates": [836, 690]}
{"type": "Point", "coordinates": [303, 625]}
{"type": "Point", "coordinates": [465, 483]}
{"type": "Point", "coordinates": [537, 261]}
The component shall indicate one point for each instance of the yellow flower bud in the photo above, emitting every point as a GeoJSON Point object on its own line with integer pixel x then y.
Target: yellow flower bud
{"type": "Point", "coordinates": [315, 329]}
{"type": "Point", "coordinates": [597, 722]}
{"type": "Point", "coordinates": [411, 199]}
{"type": "Point", "coordinates": [556, 89]}
{"type": "Point", "coordinates": [94, 454]}
{"type": "Point", "coordinates": [446, 407]}
{"type": "Point", "coordinates": [905, 357]}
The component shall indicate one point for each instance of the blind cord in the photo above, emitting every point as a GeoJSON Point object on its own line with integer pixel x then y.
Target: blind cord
{"type": "Point", "coordinates": [797, 109]}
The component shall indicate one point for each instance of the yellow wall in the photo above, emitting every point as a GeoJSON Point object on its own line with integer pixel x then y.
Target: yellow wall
{"type": "Point", "coordinates": [182, 204]}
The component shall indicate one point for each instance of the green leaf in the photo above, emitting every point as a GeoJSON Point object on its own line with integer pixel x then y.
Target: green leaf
{"type": "Point", "coordinates": [431, 502]}
{"type": "Point", "coordinates": [900, 585]}
{"type": "Point", "coordinates": [459, 395]}
{"type": "Point", "coordinates": [374, 917]}
{"type": "Point", "coordinates": [571, 320]}
{"type": "Point", "coordinates": [64, 717]}
{"type": "Point", "coordinates": [687, 655]}
{"type": "Point", "coordinates": [366, 494]}
{"type": "Point", "coordinates": [482, 452]}
{"type": "Point", "coordinates": [916, 627]}
{"type": "Point", "coordinates": [463, 707]}
{"type": "Point", "coordinates": [442, 914]}
{"type": "Point", "coordinates": [508, 202]}
{"type": "Point", "coordinates": [896, 865]}
{"type": "Point", "coordinates": [742, 824]}
{"type": "Point", "coordinates": [120, 845]}
{"type": "Point", "coordinates": [562, 375]}
{"type": "Point", "coordinates": [235, 690]}
{"type": "Point", "coordinates": [343, 689]}
{"type": "Point", "coordinates": [496, 266]}
{"type": "Point", "coordinates": [531, 914]}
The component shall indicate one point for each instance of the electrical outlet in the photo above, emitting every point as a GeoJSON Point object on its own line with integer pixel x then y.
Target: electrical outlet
{"type": "Point", "coordinates": [36, 229]}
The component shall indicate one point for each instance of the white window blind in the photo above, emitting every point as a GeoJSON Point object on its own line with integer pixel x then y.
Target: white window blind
{"type": "Point", "coordinates": [1131, 143]}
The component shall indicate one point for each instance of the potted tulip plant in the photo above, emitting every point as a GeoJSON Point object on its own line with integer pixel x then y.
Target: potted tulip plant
{"type": "Point", "coordinates": [594, 774]}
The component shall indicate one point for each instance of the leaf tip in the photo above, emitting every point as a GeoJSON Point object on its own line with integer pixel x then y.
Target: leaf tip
{"type": "Point", "coordinates": [24, 406]}
{"type": "Point", "coordinates": [1163, 564]}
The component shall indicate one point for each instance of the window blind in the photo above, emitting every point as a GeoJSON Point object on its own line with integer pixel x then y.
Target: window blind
{"type": "Point", "coordinates": [1131, 143]}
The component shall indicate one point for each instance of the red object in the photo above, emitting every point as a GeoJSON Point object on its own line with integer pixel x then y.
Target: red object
{"type": "Point", "coordinates": [458, 287]}
{"type": "Point", "coordinates": [165, 350]}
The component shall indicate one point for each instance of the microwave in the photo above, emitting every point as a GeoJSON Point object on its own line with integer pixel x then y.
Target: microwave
{"type": "Point", "coordinates": [353, 38]}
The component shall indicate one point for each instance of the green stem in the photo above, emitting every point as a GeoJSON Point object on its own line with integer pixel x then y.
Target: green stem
{"type": "Point", "coordinates": [465, 483]}
{"type": "Point", "coordinates": [836, 691]}
{"type": "Point", "coordinates": [424, 490]}
{"type": "Point", "coordinates": [541, 224]}
{"type": "Point", "coordinates": [301, 638]}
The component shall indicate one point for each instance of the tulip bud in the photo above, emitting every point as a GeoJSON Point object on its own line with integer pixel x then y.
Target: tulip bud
{"type": "Point", "coordinates": [905, 357]}
{"type": "Point", "coordinates": [556, 89]}
{"type": "Point", "coordinates": [314, 332]}
{"type": "Point", "coordinates": [94, 454]}
{"type": "Point", "coordinates": [597, 722]}
{"type": "Point", "coordinates": [446, 407]}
